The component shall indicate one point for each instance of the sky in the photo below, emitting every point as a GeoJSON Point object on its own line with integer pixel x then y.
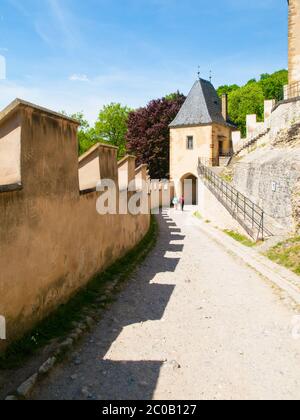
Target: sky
{"type": "Point", "coordinates": [76, 55]}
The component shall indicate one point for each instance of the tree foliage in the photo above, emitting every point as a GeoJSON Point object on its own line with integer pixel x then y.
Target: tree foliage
{"type": "Point", "coordinates": [111, 126]}
{"type": "Point", "coordinates": [148, 133]}
{"type": "Point", "coordinates": [86, 134]}
{"type": "Point", "coordinates": [226, 89]}
{"type": "Point", "coordinates": [272, 85]}
{"type": "Point", "coordinates": [249, 99]}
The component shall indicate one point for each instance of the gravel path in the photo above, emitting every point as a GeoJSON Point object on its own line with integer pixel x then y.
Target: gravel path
{"type": "Point", "coordinates": [194, 323]}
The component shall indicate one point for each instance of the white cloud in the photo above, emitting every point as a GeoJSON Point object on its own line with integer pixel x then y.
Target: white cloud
{"type": "Point", "coordinates": [79, 78]}
{"type": "Point", "coordinates": [2, 68]}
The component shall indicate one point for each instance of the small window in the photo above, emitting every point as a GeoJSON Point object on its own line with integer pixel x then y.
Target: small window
{"type": "Point", "coordinates": [190, 143]}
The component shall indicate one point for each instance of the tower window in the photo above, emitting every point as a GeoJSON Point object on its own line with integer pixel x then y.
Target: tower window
{"type": "Point", "coordinates": [190, 143]}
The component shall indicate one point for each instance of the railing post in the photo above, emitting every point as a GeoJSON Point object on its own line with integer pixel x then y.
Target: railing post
{"type": "Point", "coordinates": [229, 196]}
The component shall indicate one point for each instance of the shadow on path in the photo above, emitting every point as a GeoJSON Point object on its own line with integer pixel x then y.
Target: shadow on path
{"type": "Point", "coordinates": [142, 300]}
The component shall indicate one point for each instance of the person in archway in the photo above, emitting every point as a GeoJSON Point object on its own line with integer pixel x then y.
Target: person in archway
{"type": "Point", "coordinates": [182, 202]}
{"type": "Point", "coordinates": [175, 203]}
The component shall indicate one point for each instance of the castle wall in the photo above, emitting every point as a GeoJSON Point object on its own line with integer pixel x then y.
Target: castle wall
{"type": "Point", "coordinates": [269, 178]}
{"type": "Point", "coordinates": [52, 239]}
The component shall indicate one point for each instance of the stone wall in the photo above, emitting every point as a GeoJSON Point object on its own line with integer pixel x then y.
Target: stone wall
{"type": "Point", "coordinates": [213, 211]}
{"type": "Point", "coordinates": [284, 115]}
{"type": "Point", "coordinates": [269, 177]}
{"type": "Point", "coordinates": [51, 237]}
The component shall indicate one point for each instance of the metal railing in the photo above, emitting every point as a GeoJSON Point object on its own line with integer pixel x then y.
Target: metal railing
{"type": "Point", "coordinates": [252, 139]}
{"type": "Point", "coordinates": [249, 215]}
{"type": "Point", "coordinates": [292, 91]}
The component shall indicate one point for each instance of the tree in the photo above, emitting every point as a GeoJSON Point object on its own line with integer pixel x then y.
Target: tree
{"type": "Point", "coordinates": [111, 126]}
{"type": "Point", "coordinates": [272, 85]}
{"type": "Point", "coordinates": [226, 89]}
{"type": "Point", "coordinates": [86, 134]}
{"type": "Point", "coordinates": [249, 99]}
{"type": "Point", "coordinates": [148, 133]}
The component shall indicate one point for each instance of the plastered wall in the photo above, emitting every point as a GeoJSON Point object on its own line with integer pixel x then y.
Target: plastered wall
{"type": "Point", "coordinates": [52, 240]}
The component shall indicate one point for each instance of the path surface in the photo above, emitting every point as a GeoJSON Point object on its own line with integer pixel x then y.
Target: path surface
{"type": "Point", "coordinates": [194, 323]}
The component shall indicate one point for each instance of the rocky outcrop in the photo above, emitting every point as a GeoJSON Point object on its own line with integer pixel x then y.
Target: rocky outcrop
{"type": "Point", "coordinates": [288, 137]}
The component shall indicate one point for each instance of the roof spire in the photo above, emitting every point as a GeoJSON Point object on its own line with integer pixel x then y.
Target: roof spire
{"type": "Point", "coordinates": [210, 76]}
{"type": "Point", "coordinates": [199, 73]}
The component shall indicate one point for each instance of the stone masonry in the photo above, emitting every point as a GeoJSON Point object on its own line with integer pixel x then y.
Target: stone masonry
{"type": "Point", "coordinates": [294, 41]}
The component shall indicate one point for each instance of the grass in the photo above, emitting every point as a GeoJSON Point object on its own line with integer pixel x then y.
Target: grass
{"type": "Point", "coordinates": [60, 323]}
{"type": "Point", "coordinates": [198, 215]}
{"type": "Point", "coordinates": [287, 254]}
{"type": "Point", "coordinates": [240, 238]}
{"type": "Point", "coordinates": [227, 177]}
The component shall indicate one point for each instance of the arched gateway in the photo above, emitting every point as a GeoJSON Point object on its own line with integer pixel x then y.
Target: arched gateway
{"type": "Point", "coordinates": [189, 189]}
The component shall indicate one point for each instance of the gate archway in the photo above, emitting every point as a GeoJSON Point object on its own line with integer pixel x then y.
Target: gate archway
{"type": "Point", "coordinates": [189, 189]}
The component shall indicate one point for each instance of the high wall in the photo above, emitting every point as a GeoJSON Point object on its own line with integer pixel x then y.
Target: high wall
{"type": "Point", "coordinates": [294, 41]}
{"type": "Point", "coordinates": [52, 239]}
{"type": "Point", "coordinates": [270, 178]}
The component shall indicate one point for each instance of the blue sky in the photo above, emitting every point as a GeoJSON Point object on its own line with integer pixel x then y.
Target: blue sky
{"type": "Point", "coordinates": [78, 55]}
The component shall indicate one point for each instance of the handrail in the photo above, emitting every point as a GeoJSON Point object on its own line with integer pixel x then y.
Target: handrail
{"type": "Point", "coordinates": [246, 212]}
{"type": "Point", "coordinates": [292, 90]}
{"type": "Point", "coordinates": [252, 139]}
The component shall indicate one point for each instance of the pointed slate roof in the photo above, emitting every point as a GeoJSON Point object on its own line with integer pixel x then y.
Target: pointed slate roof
{"type": "Point", "coordinates": [202, 106]}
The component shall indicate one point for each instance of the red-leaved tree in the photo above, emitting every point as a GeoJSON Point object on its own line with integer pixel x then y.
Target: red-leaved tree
{"type": "Point", "coordinates": [148, 133]}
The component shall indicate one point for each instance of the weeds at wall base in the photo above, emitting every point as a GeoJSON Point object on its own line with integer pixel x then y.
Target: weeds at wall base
{"type": "Point", "coordinates": [86, 301]}
{"type": "Point", "coordinates": [240, 238]}
{"type": "Point", "coordinates": [287, 254]}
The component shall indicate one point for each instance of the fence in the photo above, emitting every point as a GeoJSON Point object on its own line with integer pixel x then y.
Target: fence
{"type": "Point", "coordinates": [246, 212]}
{"type": "Point", "coordinates": [252, 139]}
{"type": "Point", "coordinates": [292, 91]}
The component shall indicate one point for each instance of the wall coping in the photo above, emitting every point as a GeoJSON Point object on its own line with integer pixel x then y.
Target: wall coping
{"type": "Point", "coordinates": [141, 167]}
{"type": "Point", "coordinates": [286, 101]}
{"type": "Point", "coordinates": [97, 146]}
{"type": "Point", "coordinates": [18, 103]}
{"type": "Point", "coordinates": [11, 187]}
{"type": "Point", "coordinates": [125, 159]}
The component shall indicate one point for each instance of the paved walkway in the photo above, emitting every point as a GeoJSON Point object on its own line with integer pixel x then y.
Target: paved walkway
{"type": "Point", "coordinates": [195, 322]}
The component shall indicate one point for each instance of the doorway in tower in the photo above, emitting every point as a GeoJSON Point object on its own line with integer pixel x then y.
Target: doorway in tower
{"type": "Point", "coordinates": [189, 188]}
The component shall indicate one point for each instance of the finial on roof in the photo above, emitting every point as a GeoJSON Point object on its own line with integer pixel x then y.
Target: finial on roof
{"type": "Point", "coordinates": [210, 76]}
{"type": "Point", "coordinates": [199, 73]}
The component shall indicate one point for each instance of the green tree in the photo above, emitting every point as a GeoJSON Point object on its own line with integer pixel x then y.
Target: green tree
{"type": "Point", "coordinates": [86, 134]}
{"type": "Point", "coordinates": [111, 126]}
{"type": "Point", "coordinates": [173, 96]}
{"type": "Point", "coordinates": [272, 85]}
{"type": "Point", "coordinates": [226, 89]}
{"type": "Point", "coordinates": [249, 99]}
{"type": "Point", "coordinates": [251, 81]}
